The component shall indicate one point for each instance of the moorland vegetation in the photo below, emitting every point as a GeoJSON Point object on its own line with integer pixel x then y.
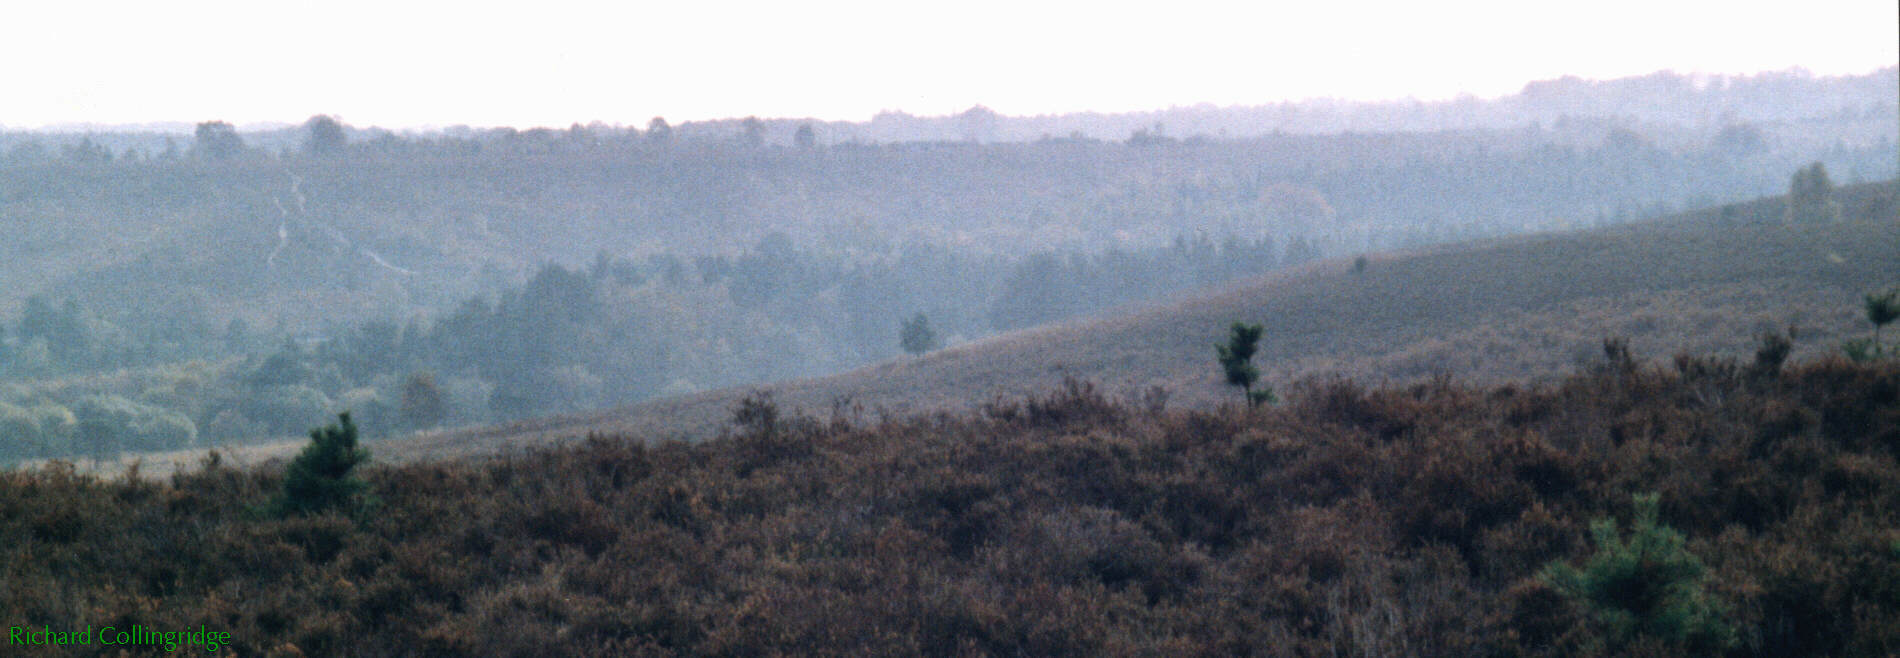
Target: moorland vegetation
{"type": "Point", "coordinates": [1435, 518]}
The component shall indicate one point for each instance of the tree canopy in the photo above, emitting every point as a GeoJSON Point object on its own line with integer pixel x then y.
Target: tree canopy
{"type": "Point", "coordinates": [216, 140]}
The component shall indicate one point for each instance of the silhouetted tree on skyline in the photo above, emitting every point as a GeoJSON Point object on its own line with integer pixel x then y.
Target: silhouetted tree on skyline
{"type": "Point", "coordinates": [216, 140]}
{"type": "Point", "coordinates": [753, 132]}
{"type": "Point", "coordinates": [323, 136]}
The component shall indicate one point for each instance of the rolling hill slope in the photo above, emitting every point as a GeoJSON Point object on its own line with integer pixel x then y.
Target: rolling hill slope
{"type": "Point", "coordinates": [1513, 309]}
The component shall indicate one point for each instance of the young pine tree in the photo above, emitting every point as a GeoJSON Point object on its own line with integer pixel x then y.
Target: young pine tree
{"type": "Point", "coordinates": [319, 479]}
{"type": "Point", "coordinates": [1649, 586]}
{"type": "Point", "coordinates": [1882, 310]}
{"type": "Point", "coordinates": [1236, 358]}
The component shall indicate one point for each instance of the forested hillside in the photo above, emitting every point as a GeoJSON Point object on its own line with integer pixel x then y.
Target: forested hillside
{"type": "Point", "coordinates": [172, 290]}
{"type": "Point", "coordinates": [1707, 282]}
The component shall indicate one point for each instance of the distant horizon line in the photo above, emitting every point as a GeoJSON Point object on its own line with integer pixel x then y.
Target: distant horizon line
{"type": "Point", "coordinates": [186, 127]}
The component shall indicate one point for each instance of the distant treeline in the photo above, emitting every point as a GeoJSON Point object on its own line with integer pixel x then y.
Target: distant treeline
{"type": "Point", "coordinates": [530, 271]}
{"type": "Point", "coordinates": [396, 225]}
{"type": "Point", "coordinates": [573, 339]}
{"type": "Point", "coordinates": [617, 330]}
{"type": "Point", "coordinates": [1692, 101]}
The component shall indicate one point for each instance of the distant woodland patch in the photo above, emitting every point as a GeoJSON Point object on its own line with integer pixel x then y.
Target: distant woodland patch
{"type": "Point", "coordinates": [213, 285]}
{"type": "Point", "coordinates": [620, 331]}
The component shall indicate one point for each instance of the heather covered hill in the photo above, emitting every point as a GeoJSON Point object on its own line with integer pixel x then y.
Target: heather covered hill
{"type": "Point", "coordinates": [1408, 520]}
{"type": "Point", "coordinates": [1502, 310]}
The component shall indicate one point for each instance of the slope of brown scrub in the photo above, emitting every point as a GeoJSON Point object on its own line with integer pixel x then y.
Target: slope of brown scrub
{"type": "Point", "coordinates": [1402, 520]}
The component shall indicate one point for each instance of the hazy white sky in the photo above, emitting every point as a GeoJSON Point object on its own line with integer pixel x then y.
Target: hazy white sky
{"type": "Point", "coordinates": [555, 62]}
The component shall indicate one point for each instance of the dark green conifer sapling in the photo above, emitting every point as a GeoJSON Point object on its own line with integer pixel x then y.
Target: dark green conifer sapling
{"type": "Point", "coordinates": [1649, 586]}
{"type": "Point", "coordinates": [1236, 358]}
{"type": "Point", "coordinates": [319, 479]}
{"type": "Point", "coordinates": [1882, 310]}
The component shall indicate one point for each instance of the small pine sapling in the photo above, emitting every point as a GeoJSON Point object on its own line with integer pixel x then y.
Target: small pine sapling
{"type": "Point", "coordinates": [1882, 310]}
{"type": "Point", "coordinates": [1649, 586]}
{"type": "Point", "coordinates": [1236, 358]}
{"type": "Point", "coordinates": [319, 479]}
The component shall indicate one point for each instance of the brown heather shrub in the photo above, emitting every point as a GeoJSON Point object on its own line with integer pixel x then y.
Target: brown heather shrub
{"type": "Point", "coordinates": [1074, 402]}
{"type": "Point", "coordinates": [1350, 520]}
{"type": "Point", "coordinates": [1537, 619]}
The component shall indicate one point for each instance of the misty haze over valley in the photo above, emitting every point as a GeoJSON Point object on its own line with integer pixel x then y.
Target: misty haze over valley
{"type": "Point", "coordinates": [1379, 377]}
{"type": "Point", "coordinates": [286, 274]}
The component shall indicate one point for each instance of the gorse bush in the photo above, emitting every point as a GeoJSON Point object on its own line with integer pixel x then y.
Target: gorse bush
{"type": "Point", "coordinates": [1648, 586]}
{"type": "Point", "coordinates": [320, 480]}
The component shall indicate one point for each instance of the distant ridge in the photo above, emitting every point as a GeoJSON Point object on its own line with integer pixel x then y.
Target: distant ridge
{"type": "Point", "coordinates": [1665, 97]}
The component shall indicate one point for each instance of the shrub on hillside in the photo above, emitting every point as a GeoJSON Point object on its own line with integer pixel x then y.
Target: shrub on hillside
{"type": "Point", "coordinates": [319, 479]}
{"type": "Point", "coordinates": [1882, 309]}
{"type": "Point", "coordinates": [1236, 361]}
{"type": "Point", "coordinates": [1650, 586]}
